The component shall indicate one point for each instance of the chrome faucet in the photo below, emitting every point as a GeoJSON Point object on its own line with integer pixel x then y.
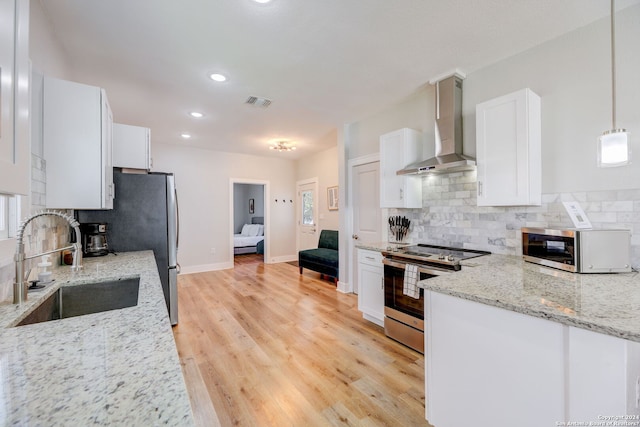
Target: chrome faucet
{"type": "Point", "coordinates": [20, 284]}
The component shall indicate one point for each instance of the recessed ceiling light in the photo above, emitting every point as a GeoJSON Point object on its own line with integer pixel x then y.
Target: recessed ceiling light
{"type": "Point", "coordinates": [262, 1]}
{"type": "Point", "coordinates": [196, 114]}
{"type": "Point", "coordinates": [217, 77]}
{"type": "Point", "coordinates": [185, 135]}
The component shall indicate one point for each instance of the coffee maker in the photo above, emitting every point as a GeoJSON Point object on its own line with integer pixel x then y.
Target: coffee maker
{"type": "Point", "coordinates": [94, 239]}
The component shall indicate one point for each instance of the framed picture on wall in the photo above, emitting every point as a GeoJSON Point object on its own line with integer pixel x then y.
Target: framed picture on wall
{"type": "Point", "coordinates": [251, 206]}
{"type": "Point", "coordinates": [332, 198]}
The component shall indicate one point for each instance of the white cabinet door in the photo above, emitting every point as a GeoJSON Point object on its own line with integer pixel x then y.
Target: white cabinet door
{"type": "Point", "coordinates": [489, 367]}
{"type": "Point", "coordinates": [371, 286]}
{"type": "Point", "coordinates": [502, 366]}
{"type": "Point", "coordinates": [603, 371]}
{"type": "Point", "coordinates": [15, 154]}
{"type": "Point", "coordinates": [131, 147]}
{"type": "Point", "coordinates": [106, 185]}
{"type": "Point", "coordinates": [508, 145]}
{"type": "Point", "coordinates": [77, 146]}
{"type": "Point", "coordinates": [397, 150]}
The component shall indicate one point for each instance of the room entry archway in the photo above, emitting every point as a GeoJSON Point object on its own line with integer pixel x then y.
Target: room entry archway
{"type": "Point", "coordinates": [246, 208]}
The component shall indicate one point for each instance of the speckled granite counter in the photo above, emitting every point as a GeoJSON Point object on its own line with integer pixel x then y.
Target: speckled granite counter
{"type": "Point", "coordinates": [380, 246]}
{"type": "Point", "coordinates": [604, 303]}
{"type": "Point", "coordinates": [117, 367]}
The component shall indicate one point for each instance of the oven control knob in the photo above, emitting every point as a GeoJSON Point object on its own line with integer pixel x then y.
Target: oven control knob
{"type": "Point", "coordinates": [441, 256]}
{"type": "Point", "coordinates": [450, 258]}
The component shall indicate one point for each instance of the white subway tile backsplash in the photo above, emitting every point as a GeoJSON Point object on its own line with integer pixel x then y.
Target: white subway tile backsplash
{"type": "Point", "coordinates": [450, 215]}
{"type": "Point", "coordinates": [618, 206]}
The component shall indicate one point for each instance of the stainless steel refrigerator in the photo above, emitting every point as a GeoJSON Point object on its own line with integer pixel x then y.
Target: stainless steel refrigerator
{"type": "Point", "coordinates": [144, 216]}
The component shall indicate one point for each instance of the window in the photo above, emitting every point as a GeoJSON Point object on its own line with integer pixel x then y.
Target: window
{"type": "Point", "coordinates": [9, 214]}
{"type": "Point", "coordinates": [3, 217]}
{"type": "Point", "coordinates": [307, 207]}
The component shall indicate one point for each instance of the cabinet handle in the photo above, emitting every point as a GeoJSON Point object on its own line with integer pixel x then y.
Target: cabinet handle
{"type": "Point", "coordinates": [382, 283]}
{"type": "Point", "coordinates": [370, 257]}
{"type": "Point", "coordinates": [401, 194]}
{"type": "Point", "coordinates": [479, 188]}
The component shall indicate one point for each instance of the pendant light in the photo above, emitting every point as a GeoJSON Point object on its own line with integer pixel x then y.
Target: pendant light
{"type": "Point", "coordinates": [613, 145]}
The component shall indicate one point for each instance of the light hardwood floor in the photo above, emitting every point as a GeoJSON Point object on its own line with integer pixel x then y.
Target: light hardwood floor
{"type": "Point", "coordinates": [261, 345]}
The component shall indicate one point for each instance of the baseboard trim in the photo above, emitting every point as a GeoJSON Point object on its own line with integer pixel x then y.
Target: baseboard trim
{"type": "Point", "coordinates": [344, 287]}
{"type": "Point", "coordinates": [202, 268]}
{"type": "Point", "coordinates": [284, 258]}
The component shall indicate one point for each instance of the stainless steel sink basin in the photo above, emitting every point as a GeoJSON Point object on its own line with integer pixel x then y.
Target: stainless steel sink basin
{"type": "Point", "coordinates": [71, 301]}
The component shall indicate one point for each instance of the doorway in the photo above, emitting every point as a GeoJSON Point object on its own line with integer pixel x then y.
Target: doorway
{"type": "Point", "coordinates": [249, 225]}
{"type": "Point", "coordinates": [366, 214]}
{"type": "Point", "coordinates": [307, 214]}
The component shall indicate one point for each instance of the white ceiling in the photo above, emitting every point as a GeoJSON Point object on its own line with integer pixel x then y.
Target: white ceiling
{"type": "Point", "coordinates": [322, 63]}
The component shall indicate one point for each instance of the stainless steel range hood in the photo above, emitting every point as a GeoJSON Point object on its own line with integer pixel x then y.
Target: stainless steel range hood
{"type": "Point", "coordinates": [449, 157]}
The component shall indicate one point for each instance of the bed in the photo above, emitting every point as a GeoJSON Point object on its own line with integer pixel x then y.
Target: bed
{"type": "Point", "coordinates": [250, 239]}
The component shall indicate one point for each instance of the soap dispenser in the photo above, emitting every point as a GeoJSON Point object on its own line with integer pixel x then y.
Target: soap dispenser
{"type": "Point", "coordinates": [44, 275]}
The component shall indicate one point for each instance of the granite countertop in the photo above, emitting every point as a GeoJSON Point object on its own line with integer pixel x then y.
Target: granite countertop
{"type": "Point", "coordinates": [380, 246]}
{"type": "Point", "coordinates": [604, 303]}
{"type": "Point", "coordinates": [118, 367]}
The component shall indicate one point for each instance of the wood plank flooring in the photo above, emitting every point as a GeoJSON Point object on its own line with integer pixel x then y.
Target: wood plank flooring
{"type": "Point", "coordinates": [261, 345]}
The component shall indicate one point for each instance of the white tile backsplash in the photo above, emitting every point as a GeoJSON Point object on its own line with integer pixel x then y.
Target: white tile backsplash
{"type": "Point", "coordinates": [451, 217]}
{"type": "Point", "coordinates": [42, 234]}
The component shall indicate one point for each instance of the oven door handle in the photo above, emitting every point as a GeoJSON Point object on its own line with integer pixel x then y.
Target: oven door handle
{"type": "Point", "coordinates": [434, 271]}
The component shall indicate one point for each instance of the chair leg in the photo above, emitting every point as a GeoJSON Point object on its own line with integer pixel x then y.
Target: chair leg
{"type": "Point", "coordinates": [300, 270]}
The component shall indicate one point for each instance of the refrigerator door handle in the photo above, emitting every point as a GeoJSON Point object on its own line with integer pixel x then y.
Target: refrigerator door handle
{"type": "Point", "coordinates": [173, 222]}
{"type": "Point", "coordinates": [177, 222]}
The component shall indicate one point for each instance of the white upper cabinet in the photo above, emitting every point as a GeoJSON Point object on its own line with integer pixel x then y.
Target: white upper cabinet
{"type": "Point", "coordinates": [15, 153]}
{"type": "Point", "coordinates": [508, 138]}
{"type": "Point", "coordinates": [77, 139]}
{"type": "Point", "coordinates": [131, 147]}
{"type": "Point", "coordinates": [397, 150]}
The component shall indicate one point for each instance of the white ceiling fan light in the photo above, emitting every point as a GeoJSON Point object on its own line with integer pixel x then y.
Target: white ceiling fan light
{"type": "Point", "coordinates": [281, 146]}
{"type": "Point", "coordinates": [613, 145]}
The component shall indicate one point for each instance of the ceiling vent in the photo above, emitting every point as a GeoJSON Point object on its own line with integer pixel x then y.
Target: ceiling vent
{"type": "Point", "coordinates": [258, 102]}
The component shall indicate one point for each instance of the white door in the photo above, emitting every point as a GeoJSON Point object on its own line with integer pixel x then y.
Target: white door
{"type": "Point", "coordinates": [307, 214]}
{"type": "Point", "coordinates": [366, 207]}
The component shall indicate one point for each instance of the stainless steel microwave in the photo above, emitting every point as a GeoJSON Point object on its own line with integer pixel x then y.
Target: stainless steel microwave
{"type": "Point", "coordinates": [578, 251]}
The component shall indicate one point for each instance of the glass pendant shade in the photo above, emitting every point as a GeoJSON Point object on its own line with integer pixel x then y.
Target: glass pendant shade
{"type": "Point", "coordinates": [613, 148]}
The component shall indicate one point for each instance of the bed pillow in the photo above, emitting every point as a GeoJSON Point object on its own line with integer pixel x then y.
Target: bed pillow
{"type": "Point", "coordinates": [260, 230]}
{"type": "Point", "coordinates": [246, 230]}
{"type": "Point", "coordinates": [255, 230]}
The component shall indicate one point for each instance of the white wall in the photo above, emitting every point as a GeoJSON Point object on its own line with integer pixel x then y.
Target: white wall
{"type": "Point", "coordinates": [203, 183]}
{"type": "Point", "coordinates": [415, 112]}
{"type": "Point", "coordinates": [572, 75]}
{"type": "Point", "coordinates": [47, 54]}
{"type": "Point", "coordinates": [324, 166]}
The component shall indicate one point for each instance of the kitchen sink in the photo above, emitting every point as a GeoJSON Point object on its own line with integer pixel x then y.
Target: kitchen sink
{"type": "Point", "coordinates": [78, 300]}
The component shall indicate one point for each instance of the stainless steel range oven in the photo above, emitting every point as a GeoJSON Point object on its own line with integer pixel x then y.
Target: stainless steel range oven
{"type": "Point", "coordinates": [404, 315]}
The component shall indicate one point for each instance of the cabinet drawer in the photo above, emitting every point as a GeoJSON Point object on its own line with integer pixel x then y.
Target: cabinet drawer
{"type": "Point", "coordinates": [370, 257]}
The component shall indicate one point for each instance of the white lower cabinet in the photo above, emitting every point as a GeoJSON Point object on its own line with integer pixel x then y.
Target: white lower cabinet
{"type": "Point", "coordinates": [371, 286]}
{"type": "Point", "coordinates": [490, 367]}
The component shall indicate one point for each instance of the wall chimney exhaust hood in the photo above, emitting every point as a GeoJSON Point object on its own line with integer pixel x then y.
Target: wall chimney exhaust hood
{"type": "Point", "coordinates": [448, 132]}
